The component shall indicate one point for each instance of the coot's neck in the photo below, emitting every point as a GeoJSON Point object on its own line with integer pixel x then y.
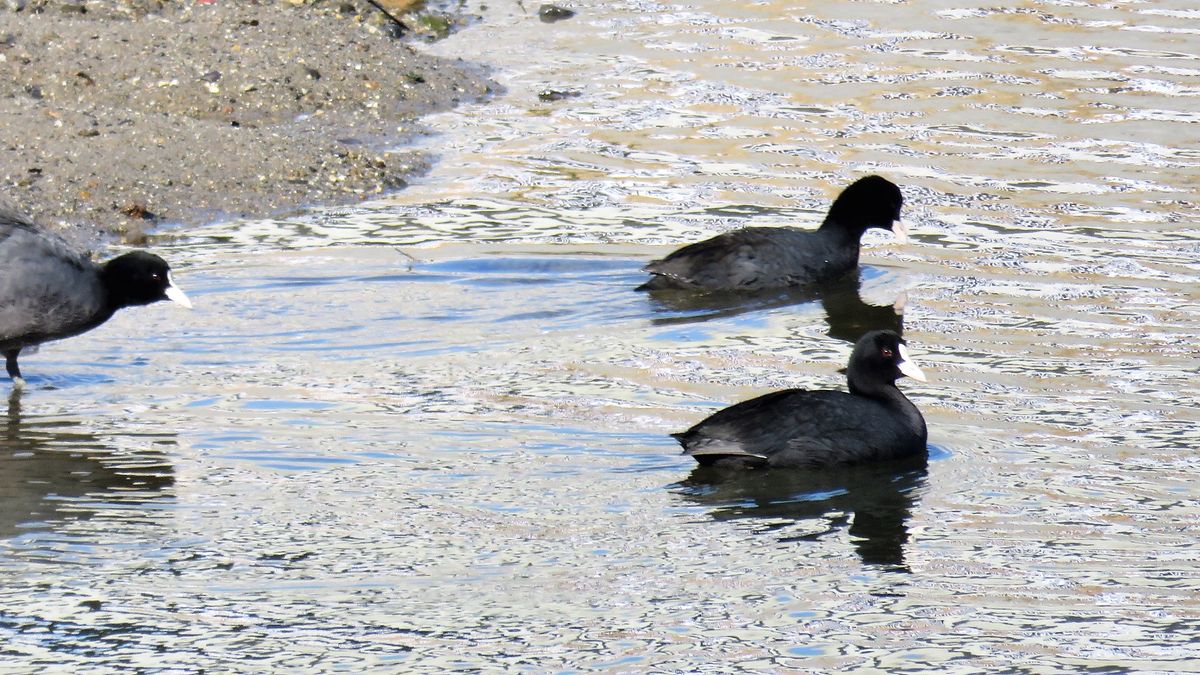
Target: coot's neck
{"type": "Point", "coordinates": [109, 308]}
{"type": "Point", "coordinates": [116, 294]}
{"type": "Point", "coordinates": [891, 396]}
{"type": "Point", "coordinates": [842, 234]}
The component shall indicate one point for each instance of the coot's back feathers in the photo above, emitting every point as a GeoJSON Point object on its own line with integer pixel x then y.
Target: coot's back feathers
{"type": "Point", "coordinates": [749, 258]}
{"type": "Point", "coordinates": [22, 237]}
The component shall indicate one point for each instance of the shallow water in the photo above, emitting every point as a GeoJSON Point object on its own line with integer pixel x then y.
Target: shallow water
{"type": "Point", "coordinates": [430, 433]}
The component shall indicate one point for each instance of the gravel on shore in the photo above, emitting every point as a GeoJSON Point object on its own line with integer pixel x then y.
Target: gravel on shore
{"type": "Point", "coordinates": [122, 115]}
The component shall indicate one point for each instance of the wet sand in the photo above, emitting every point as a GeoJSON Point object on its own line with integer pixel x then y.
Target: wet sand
{"type": "Point", "coordinates": [125, 115]}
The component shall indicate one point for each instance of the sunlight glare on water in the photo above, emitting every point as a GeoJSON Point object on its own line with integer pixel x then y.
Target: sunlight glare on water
{"type": "Point", "coordinates": [429, 433]}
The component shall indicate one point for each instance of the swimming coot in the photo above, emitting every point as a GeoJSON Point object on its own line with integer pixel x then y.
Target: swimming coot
{"type": "Point", "coordinates": [49, 290]}
{"type": "Point", "coordinates": [800, 428]}
{"type": "Point", "coordinates": [758, 258]}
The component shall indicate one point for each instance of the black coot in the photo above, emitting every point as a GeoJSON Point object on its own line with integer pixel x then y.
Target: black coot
{"type": "Point", "coordinates": [758, 258]}
{"type": "Point", "coordinates": [800, 428]}
{"type": "Point", "coordinates": [49, 290]}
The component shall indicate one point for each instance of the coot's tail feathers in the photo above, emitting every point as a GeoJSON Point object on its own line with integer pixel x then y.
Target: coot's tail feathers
{"type": "Point", "coordinates": [664, 276]}
{"type": "Point", "coordinates": [678, 270]}
{"type": "Point", "coordinates": [657, 282]}
{"type": "Point", "coordinates": [708, 451]}
{"type": "Point", "coordinates": [730, 460]}
{"type": "Point", "coordinates": [11, 215]}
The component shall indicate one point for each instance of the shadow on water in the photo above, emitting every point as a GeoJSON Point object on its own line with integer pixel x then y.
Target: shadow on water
{"type": "Point", "coordinates": [848, 315]}
{"type": "Point", "coordinates": [52, 471]}
{"type": "Point", "coordinates": [572, 290]}
{"type": "Point", "coordinates": [874, 501]}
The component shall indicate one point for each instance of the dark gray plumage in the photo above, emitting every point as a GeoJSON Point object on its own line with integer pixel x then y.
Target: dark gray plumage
{"type": "Point", "coordinates": [758, 258]}
{"type": "Point", "coordinates": [800, 428]}
{"type": "Point", "coordinates": [50, 291]}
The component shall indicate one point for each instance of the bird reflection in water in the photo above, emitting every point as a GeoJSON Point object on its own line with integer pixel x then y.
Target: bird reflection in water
{"type": "Point", "coordinates": [874, 500]}
{"type": "Point", "coordinates": [849, 316]}
{"type": "Point", "coordinates": [52, 471]}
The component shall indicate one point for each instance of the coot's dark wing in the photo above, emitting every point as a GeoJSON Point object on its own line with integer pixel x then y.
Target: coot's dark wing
{"type": "Point", "coordinates": [749, 258]}
{"type": "Point", "coordinates": [796, 428]}
{"type": "Point", "coordinates": [47, 288]}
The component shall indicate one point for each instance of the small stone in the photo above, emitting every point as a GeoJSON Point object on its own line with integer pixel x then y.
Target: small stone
{"type": "Point", "coordinates": [552, 13]}
{"type": "Point", "coordinates": [552, 95]}
{"type": "Point", "coordinates": [137, 211]}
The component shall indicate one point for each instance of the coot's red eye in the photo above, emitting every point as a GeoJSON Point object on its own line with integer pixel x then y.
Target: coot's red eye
{"type": "Point", "coordinates": [887, 352]}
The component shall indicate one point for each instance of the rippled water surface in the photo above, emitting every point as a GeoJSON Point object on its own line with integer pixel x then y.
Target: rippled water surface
{"type": "Point", "coordinates": [430, 433]}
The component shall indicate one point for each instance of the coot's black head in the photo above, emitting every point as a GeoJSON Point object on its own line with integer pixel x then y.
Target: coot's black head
{"type": "Point", "coordinates": [140, 278]}
{"type": "Point", "coordinates": [869, 202]}
{"type": "Point", "coordinates": [879, 359]}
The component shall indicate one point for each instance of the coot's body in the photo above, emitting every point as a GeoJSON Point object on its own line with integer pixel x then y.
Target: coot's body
{"type": "Point", "coordinates": [760, 258]}
{"type": "Point", "coordinates": [797, 428]}
{"type": "Point", "coordinates": [50, 291]}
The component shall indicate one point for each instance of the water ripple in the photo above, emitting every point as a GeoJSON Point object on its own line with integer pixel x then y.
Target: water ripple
{"type": "Point", "coordinates": [429, 433]}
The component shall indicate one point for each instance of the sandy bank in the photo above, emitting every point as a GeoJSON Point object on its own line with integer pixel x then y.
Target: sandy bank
{"type": "Point", "coordinates": [118, 116]}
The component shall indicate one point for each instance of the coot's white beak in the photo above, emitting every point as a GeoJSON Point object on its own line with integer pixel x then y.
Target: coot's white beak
{"type": "Point", "coordinates": [174, 294]}
{"type": "Point", "coordinates": [909, 368]}
{"type": "Point", "coordinates": [900, 231]}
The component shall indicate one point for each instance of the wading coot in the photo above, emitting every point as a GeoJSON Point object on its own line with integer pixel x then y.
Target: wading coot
{"type": "Point", "coordinates": [800, 428]}
{"type": "Point", "coordinates": [758, 258]}
{"type": "Point", "coordinates": [49, 290]}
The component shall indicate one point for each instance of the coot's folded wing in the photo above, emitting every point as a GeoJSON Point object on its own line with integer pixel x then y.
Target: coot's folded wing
{"type": "Point", "coordinates": [729, 261]}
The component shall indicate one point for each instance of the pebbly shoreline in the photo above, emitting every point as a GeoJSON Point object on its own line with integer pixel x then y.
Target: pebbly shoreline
{"type": "Point", "coordinates": [122, 115]}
